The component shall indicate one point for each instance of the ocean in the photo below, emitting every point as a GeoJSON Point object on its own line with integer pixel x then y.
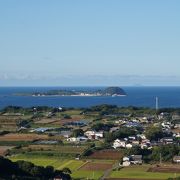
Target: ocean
{"type": "Point", "coordinates": [136, 96]}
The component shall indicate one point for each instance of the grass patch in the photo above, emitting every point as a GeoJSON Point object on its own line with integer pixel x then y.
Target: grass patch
{"type": "Point", "coordinates": [87, 174]}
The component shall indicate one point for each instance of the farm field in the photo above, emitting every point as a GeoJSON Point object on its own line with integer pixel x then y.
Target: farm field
{"type": "Point", "coordinates": [57, 163]}
{"type": "Point", "coordinates": [3, 149]}
{"type": "Point", "coordinates": [106, 154]}
{"type": "Point", "coordinates": [9, 123]}
{"type": "Point", "coordinates": [93, 175]}
{"type": "Point", "coordinates": [81, 169]}
{"type": "Point", "coordinates": [62, 149]}
{"type": "Point", "coordinates": [97, 166]}
{"type": "Point", "coordinates": [94, 169]}
{"type": "Point", "coordinates": [23, 137]}
{"type": "Point", "coordinates": [140, 172]}
{"type": "Point", "coordinates": [46, 121]}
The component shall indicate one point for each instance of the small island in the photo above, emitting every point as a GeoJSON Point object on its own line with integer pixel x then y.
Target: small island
{"type": "Point", "coordinates": [109, 91]}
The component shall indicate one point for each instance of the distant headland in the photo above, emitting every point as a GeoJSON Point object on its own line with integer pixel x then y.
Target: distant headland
{"type": "Point", "coordinates": [109, 91]}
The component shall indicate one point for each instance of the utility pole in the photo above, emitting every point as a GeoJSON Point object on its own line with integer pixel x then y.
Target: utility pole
{"type": "Point", "coordinates": [157, 104]}
{"type": "Point", "coordinates": [160, 158]}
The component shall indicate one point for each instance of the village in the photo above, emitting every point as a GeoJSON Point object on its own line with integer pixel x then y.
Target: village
{"type": "Point", "coordinates": [105, 137]}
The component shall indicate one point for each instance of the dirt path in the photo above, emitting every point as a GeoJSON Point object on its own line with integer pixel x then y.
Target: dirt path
{"type": "Point", "coordinates": [107, 173]}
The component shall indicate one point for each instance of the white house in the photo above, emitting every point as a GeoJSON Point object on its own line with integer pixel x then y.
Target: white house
{"type": "Point", "coordinates": [73, 139]}
{"type": "Point", "coordinates": [176, 159]}
{"type": "Point", "coordinates": [129, 146]}
{"type": "Point", "coordinates": [142, 136]}
{"type": "Point", "coordinates": [126, 161]}
{"type": "Point", "coordinates": [94, 134]}
{"type": "Point", "coordinates": [119, 143]}
{"type": "Point", "coordinates": [77, 139]}
{"type": "Point", "coordinates": [133, 159]}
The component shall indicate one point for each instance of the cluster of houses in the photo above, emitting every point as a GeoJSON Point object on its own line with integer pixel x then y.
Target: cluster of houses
{"type": "Point", "coordinates": [141, 141]}
{"type": "Point", "coordinates": [88, 135]}
{"type": "Point", "coordinates": [129, 142]}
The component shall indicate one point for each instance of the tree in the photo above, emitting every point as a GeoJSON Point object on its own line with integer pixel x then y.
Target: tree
{"type": "Point", "coordinates": [77, 132]}
{"type": "Point", "coordinates": [154, 133]}
{"type": "Point", "coordinates": [101, 126]}
{"type": "Point", "coordinates": [124, 132]}
{"type": "Point", "coordinates": [66, 170]}
{"type": "Point", "coordinates": [165, 151]}
{"type": "Point", "coordinates": [109, 137]}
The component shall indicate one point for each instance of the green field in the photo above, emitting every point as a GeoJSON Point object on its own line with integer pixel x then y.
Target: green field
{"type": "Point", "coordinates": [72, 164]}
{"type": "Point", "coordinates": [140, 172]}
{"type": "Point", "coordinates": [87, 174]}
{"type": "Point", "coordinates": [57, 163]}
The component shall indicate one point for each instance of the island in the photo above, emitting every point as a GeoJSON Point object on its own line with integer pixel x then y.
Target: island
{"type": "Point", "coordinates": [109, 91]}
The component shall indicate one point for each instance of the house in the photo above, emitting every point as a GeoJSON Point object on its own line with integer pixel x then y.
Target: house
{"type": "Point", "coordinates": [119, 144]}
{"type": "Point", "coordinates": [136, 159]}
{"type": "Point", "coordinates": [129, 146]}
{"type": "Point", "coordinates": [163, 115]}
{"type": "Point", "coordinates": [141, 136]}
{"type": "Point", "coordinates": [73, 139]}
{"type": "Point", "coordinates": [133, 159]}
{"type": "Point", "coordinates": [176, 135]}
{"type": "Point", "coordinates": [41, 129]}
{"type": "Point", "coordinates": [132, 124]}
{"type": "Point", "coordinates": [146, 144]}
{"type": "Point", "coordinates": [113, 129]}
{"type": "Point", "coordinates": [66, 134]}
{"type": "Point", "coordinates": [166, 125]}
{"type": "Point", "coordinates": [176, 159]}
{"type": "Point", "coordinates": [177, 125]}
{"type": "Point", "coordinates": [77, 139]}
{"type": "Point", "coordinates": [126, 161]}
{"type": "Point", "coordinates": [135, 142]}
{"type": "Point", "coordinates": [94, 134]}
{"type": "Point", "coordinates": [167, 140]}
{"type": "Point", "coordinates": [132, 138]}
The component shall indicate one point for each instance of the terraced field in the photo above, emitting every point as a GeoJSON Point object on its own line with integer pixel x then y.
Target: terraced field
{"type": "Point", "coordinates": [4, 149]}
{"type": "Point", "coordinates": [22, 137]}
{"type": "Point", "coordinates": [57, 163]}
{"type": "Point", "coordinates": [106, 154]}
{"type": "Point", "coordinates": [81, 169]}
{"type": "Point", "coordinates": [61, 149]}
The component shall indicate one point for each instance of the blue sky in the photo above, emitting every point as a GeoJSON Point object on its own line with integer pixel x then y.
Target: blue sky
{"type": "Point", "coordinates": [89, 42]}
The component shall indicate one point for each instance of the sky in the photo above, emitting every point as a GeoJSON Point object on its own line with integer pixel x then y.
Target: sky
{"type": "Point", "coordinates": [89, 42]}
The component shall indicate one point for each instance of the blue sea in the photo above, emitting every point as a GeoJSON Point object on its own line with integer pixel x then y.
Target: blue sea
{"type": "Point", "coordinates": [136, 96]}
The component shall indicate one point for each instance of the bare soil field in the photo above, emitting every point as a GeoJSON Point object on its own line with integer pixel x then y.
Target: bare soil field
{"type": "Point", "coordinates": [165, 169]}
{"type": "Point", "coordinates": [9, 123]}
{"type": "Point", "coordinates": [95, 166]}
{"type": "Point", "coordinates": [3, 149]}
{"type": "Point", "coordinates": [22, 137]}
{"type": "Point", "coordinates": [106, 154]}
{"type": "Point", "coordinates": [64, 121]}
{"type": "Point", "coordinates": [47, 121]}
{"type": "Point", "coordinates": [61, 149]}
